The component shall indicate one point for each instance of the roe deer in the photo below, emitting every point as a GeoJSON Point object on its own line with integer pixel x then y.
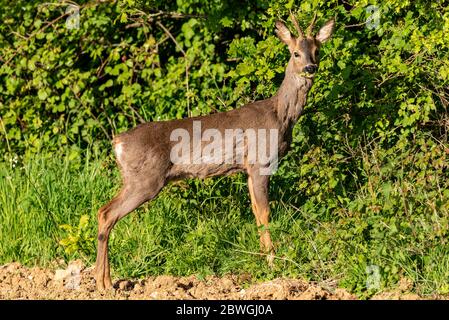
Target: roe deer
{"type": "Point", "coordinates": [145, 154]}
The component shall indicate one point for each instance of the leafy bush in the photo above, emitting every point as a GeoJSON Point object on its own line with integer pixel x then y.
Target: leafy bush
{"type": "Point", "coordinates": [78, 238]}
{"type": "Point", "coordinates": [77, 87]}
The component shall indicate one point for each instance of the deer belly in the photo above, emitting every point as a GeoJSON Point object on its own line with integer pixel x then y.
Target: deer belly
{"type": "Point", "coordinates": [203, 170]}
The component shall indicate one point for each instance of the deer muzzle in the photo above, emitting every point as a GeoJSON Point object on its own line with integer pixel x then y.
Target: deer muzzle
{"type": "Point", "coordinates": [310, 68]}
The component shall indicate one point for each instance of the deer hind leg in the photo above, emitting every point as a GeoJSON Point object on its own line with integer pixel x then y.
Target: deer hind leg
{"type": "Point", "coordinates": [258, 190]}
{"type": "Point", "coordinates": [129, 198]}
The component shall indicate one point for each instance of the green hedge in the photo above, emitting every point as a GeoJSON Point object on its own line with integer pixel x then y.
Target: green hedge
{"type": "Point", "coordinates": [385, 79]}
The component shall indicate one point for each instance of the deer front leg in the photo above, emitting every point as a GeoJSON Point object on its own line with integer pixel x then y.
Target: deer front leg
{"type": "Point", "coordinates": [258, 190]}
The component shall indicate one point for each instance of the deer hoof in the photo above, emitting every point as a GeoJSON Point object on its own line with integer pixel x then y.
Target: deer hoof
{"type": "Point", "coordinates": [104, 285]}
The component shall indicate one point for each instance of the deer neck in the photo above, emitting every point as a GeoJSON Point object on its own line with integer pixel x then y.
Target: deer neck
{"type": "Point", "coordinates": [292, 97]}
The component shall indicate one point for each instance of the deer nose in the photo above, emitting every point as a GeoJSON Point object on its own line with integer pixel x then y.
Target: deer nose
{"type": "Point", "coordinates": [310, 68]}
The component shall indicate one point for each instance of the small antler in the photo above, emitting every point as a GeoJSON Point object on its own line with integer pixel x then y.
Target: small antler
{"type": "Point", "coordinates": [311, 26]}
{"type": "Point", "coordinates": [295, 23]}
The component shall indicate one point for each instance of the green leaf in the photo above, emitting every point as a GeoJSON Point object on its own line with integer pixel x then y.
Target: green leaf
{"type": "Point", "coordinates": [226, 22]}
{"type": "Point", "coordinates": [84, 221]}
{"type": "Point", "coordinates": [42, 94]}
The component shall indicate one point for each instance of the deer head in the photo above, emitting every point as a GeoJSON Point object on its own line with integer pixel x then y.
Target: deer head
{"type": "Point", "coordinates": [304, 48]}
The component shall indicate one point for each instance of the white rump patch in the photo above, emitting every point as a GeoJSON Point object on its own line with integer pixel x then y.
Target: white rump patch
{"type": "Point", "coordinates": [119, 151]}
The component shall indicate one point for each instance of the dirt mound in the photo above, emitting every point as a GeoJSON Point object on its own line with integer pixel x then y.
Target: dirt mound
{"type": "Point", "coordinates": [77, 282]}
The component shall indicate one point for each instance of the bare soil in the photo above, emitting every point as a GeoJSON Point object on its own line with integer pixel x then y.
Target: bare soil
{"type": "Point", "coordinates": [77, 282]}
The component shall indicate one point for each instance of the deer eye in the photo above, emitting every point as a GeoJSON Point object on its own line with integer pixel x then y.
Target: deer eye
{"type": "Point", "coordinates": [296, 54]}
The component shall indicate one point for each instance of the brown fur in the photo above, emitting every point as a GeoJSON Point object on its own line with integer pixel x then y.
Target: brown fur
{"type": "Point", "coordinates": [143, 153]}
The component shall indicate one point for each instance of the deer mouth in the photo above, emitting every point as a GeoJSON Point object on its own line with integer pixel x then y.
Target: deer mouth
{"type": "Point", "coordinates": [307, 75]}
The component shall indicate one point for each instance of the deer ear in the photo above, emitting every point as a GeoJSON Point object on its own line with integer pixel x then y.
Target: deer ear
{"type": "Point", "coordinates": [283, 33]}
{"type": "Point", "coordinates": [326, 31]}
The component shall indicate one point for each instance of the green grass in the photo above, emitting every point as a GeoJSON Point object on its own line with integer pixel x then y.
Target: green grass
{"type": "Point", "coordinates": [207, 227]}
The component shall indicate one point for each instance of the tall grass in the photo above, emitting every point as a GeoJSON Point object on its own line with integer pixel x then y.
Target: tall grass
{"type": "Point", "coordinates": [206, 227]}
